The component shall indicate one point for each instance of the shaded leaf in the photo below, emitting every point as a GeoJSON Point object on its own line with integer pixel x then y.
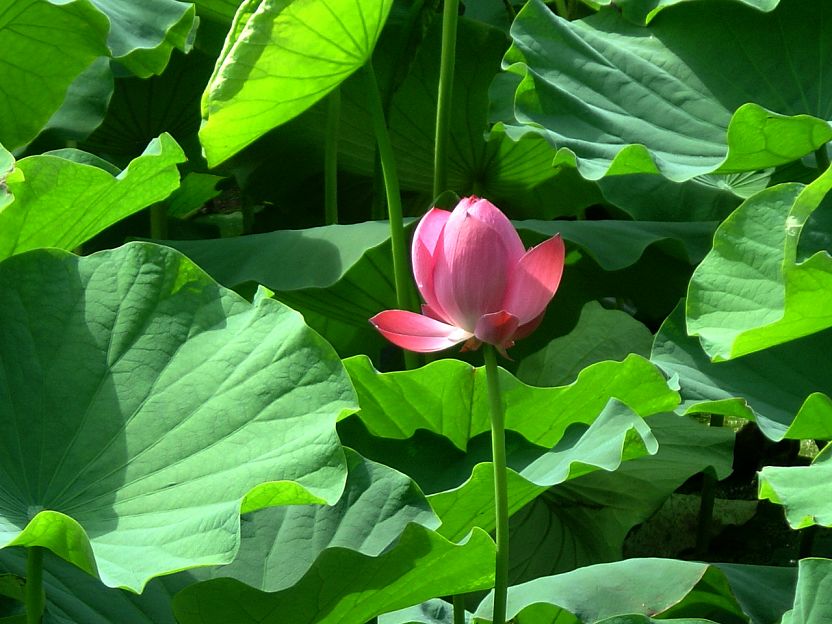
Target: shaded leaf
{"type": "Point", "coordinates": [37, 72]}
{"type": "Point", "coordinates": [645, 10]}
{"type": "Point", "coordinates": [802, 490]}
{"type": "Point", "coordinates": [811, 601]}
{"type": "Point", "coordinates": [784, 389]}
{"type": "Point", "coordinates": [191, 404]}
{"type": "Point", "coordinates": [600, 334]}
{"type": "Point", "coordinates": [421, 566]}
{"type": "Point", "coordinates": [674, 98]}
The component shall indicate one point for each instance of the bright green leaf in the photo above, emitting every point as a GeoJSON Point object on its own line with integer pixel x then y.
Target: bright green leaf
{"type": "Point", "coordinates": [752, 291]}
{"type": "Point", "coordinates": [61, 203]}
{"type": "Point", "coordinates": [279, 59]}
{"type": "Point", "coordinates": [179, 403]}
{"type": "Point", "coordinates": [804, 491]}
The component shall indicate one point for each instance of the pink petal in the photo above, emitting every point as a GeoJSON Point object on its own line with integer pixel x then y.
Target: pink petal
{"type": "Point", "coordinates": [527, 328]}
{"type": "Point", "coordinates": [415, 332]}
{"type": "Point", "coordinates": [471, 269]}
{"type": "Point", "coordinates": [497, 328]}
{"type": "Point", "coordinates": [425, 239]}
{"type": "Point", "coordinates": [534, 280]}
{"type": "Point", "coordinates": [487, 212]}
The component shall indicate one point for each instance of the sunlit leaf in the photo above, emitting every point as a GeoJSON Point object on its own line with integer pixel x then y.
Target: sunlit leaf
{"type": "Point", "coordinates": [62, 203]}
{"type": "Point", "coordinates": [755, 289]}
{"type": "Point", "coordinates": [804, 491]}
{"type": "Point", "coordinates": [279, 59]}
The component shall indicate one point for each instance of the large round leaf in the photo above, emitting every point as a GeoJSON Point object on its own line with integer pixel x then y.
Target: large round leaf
{"type": "Point", "coordinates": [674, 97]}
{"type": "Point", "coordinates": [804, 491]}
{"type": "Point", "coordinates": [279, 59]}
{"type": "Point", "coordinates": [145, 406]}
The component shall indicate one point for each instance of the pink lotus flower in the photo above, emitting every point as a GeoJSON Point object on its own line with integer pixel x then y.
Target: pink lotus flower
{"type": "Point", "coordinates": [478, 281]}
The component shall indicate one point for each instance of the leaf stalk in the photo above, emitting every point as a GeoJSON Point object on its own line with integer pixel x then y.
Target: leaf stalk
{"type": "Point", "coordinates": [445, 97]}
{"type": "Point", "coordinates": [35, 597]}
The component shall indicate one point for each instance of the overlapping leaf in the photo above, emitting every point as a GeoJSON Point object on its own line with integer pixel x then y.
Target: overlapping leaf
{"type": "Point", "coordinates": [785, 389]}
{"type": "Point", "coordinates": [701, 90]}
{"type": "Point", "coordinates": [143, 34]}
{"type": "Point", "coordinates": [652, 587]}
{"type": "Point", "coordinates": [804, 491]}
{"type": "Point", "coordinates": [37, 71]}
{"type": "Point", "coordinates": [421, 566]}
{"type": "Point", "coordinates": [188, 405]}
{"type": "Point", "coordinates": [279, 59]}
{"type": "Point", "coordinates": [62, 203]}
{"type": "Point", "coordinates": [644, 11]}
{"type": "Point", "coordinates": [432, 423]}
{"type": "Point", "coordinates": [811, 600]}
{"type": "Point", "coordinates": [768, 279]}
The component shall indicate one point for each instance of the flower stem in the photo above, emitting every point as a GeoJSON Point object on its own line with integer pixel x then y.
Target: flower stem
{"type": "Point", "coordinates": [331, 158]}
{"type": "Point", "coordinates": [498, 457]}
{"type": "Point", "coordinates": [459, 609]}
{"type": "Point", "coordinates": [444, 99]}
{"type": "Point", "coordinates": [158, 221]}
{"type": "Point", "coordinates": [35, 599]}
{"type": "Point", "coordinates": [404, 286]}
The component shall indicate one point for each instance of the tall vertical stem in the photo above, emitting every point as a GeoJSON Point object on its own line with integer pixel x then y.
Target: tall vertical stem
{"type": "Point", "coordinates": [331, 158]}
{"type": "Point", "coordinates": [704, 525]}
{"type": "Point", "coordinates": [498, 457]}
{"type": "Point", "coordinates": [35, 599]}
{"type": "Point", "coordinates": [443, 106]}
{"type": "Point", "coordinates": [401, 274]}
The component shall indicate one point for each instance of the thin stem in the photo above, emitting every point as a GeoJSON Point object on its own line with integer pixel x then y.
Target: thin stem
{"type": "Point", "coordinates": [562, 9]}
{"type": "Point", "coordinates": [401, 267]}
{"type": "Point", "coordinates": [705, 521]}
{"type": "Point", "coordinates": [331, 158]}
{"type": "Point", "coordinates": [822, 158]}
{"type": "Point", "coordinates": [35, 598]}
{"type": "Point", "coordinates": [498, 457]}
{"type": "Point", "coordinates": [510, 9]}
{"type": "Point", "coordinates": [444, 100]}
{"type": "Point", "coordinates": [158, 221]}
{"type": "Point", "coordinates": [459, 609]}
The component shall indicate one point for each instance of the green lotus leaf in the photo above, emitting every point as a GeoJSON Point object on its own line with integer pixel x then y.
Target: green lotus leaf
{"type": "Point", "coordinates": [754, 290]}
{"type": "Point", "coordinates": [667, 588]}
{"type": "Point", "coordinates": [700, 91]}
{"type": "Point", "coordinates": [143, 34]}
{"type": "Point", "coordinates": [221, 11]}
{"type": "Point", "coordinates": [147, 406]}
{"type": "Point", "coordinates": [432, 423]}
{"type": "Point", "coordinates": [643, 11]}
{"type": "Point", "coordinates": [75, 597]}
{"type": "Point", "coordinates": [420, 566]}
{"type": "Point", "coordinates": [586, 520]}
{"type": "Point", "coordinates": [814, 580]}
{"type": "Point", "coordinates": [62, 203]}
{"type": "Point", "coordinates": [600, 334]}
{"type": "Point", "coordinates": [37, 72]}
{"type": "Point", "coordinates": [280, 545]}
{"type": "Point", "coordinates": [275, 65]}
{"type": "Point", "coordinates": [784, 389]}
{"type": "Point", "coordinates": [802, 490]}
